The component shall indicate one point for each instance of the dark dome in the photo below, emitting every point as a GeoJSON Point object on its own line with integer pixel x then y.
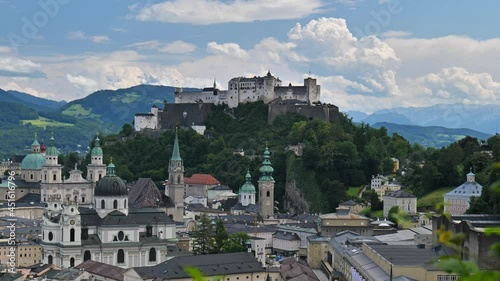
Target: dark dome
{"type": "Point", "coordinates": [111, 184]}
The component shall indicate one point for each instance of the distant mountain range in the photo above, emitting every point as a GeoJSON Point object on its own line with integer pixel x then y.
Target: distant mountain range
{"type": "Point", "coordinates": [74, 123]}
{"type": "Point", "coordinates": [433, 136]}
{"type": "Point", "coordinates": [482, 118]}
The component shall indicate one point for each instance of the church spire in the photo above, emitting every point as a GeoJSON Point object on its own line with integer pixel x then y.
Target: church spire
{"type": "Point", "coordinates": [266, 169]}
{"type": "Point", "coordinates": [176, 155]}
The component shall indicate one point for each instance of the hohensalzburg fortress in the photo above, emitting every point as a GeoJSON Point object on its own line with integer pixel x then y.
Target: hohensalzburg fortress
{"type": "Point", "coordinates": [242, 90]}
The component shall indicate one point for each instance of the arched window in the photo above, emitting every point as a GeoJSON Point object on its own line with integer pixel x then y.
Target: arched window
{"type": "Point", "coordinates": [152, 254]}
{"type": "Point", "coordinates": [31, 176]}
{"type": "Point", "coordinates": [76, 198]}
{"type": "Point", "coordinates": [149, 231]}
{"type": "Point", "coordinates": [86, 255]}
{"type": "Point", "coordinates": [125, 203]}
{"type": "Point", "coordinates": [45, 176]}
{"type": "Point", "coordinates": [91, 176]}
{"type": "Point", "coordinates": [115, 204]}
{"type": "Point", "coordinates": [49, 259]}
{"type": "Point", "coordinates": [103, 206]}
{"type": "Point", "coordinates": [120, 257]}
{"type": "Point", "coordinates": [179, 179]}
{"type": "Point", "coordinates": [72, 262]}
{"type": "Point", "coordinates": [54, 177]}
{"type": "Point", "coordinates": [268, 193]}
{"type": "Point", "coordinates": [72, 235]}
{"type": "Point", "coordinates": [51, 236]}
{"type": "Point", "coordinates": [83, 199]}
{"type": "Point", "coordinates": [100, 176]}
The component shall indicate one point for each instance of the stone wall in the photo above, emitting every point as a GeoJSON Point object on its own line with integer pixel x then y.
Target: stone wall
{"type": "Point", "coordinates": [324, 112]}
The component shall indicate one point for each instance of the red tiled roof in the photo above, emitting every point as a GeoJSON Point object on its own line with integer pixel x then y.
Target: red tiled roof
{"type": "Point", "coordinates": [201, 179]}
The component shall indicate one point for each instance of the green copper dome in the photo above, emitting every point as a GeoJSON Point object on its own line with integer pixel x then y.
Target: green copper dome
{"type": "Point", "coordinates": [111, 184]}
{"type": "Point", "coordinates": [52, 150]}
{"type": "Point", "coordinates": [248, 187]}
{"type": "Point", "coordinates": [97, 150]}
{"type": "Point", "coordinates": [33, 161]}
{"type": "Point", "coordinates": [266, 169]}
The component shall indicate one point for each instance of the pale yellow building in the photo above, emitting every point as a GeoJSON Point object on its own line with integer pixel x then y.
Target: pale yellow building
{"type": "Point", "coordinates": [343, 220]}
{"type": "Point", "coordinates": [26, 254]}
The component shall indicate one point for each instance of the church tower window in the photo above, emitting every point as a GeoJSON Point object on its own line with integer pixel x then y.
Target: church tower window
{"type": "Point", "coordinates": [51, 236]}
{"type": "Point", "coordinates": [152, 254]}
{"type": "Point", "coordinates": [72, 235]}
{"type": "Point", "coordinates": [72, 262]}
{"type": "Point", "coordinates": [103, 206]}
{"type": "Point", "coordinates": [115, 204]}
{"type": "Point", "coordinates": [54, 177]}
{"type": "Point", "coordinates": [49, 259]}
{"type": "Point", "coordinates": [86, 255]}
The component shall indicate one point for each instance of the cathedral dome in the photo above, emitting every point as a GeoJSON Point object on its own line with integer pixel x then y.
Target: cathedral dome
{"type": "Point", "coordinates": [33, 161]}
{"type": "Point", "coordinates": [111, 184]}
{"type": "Point", "coordinates": [52, 150]}
{"type": "Point", "coordinates": [248, 187]}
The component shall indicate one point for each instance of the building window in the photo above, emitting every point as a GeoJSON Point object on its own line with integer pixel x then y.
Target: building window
{"type": "Point", "coordinates": [103, 206]}
{"type": "Point", "coordinates": [49, 259]}
{"type": "Point", "coordinates": [86, 255]}
{"type": "Point", "coordinates": [85, 234]}
{"type": "Point", "coordinates": [72, 235]}
{"type": "Point", "coordinates": [83, 199]}
{"type": "Point", "coordinates": [179, 179]}
{"type": "Point", "coordinates": [54, 177]}
{"type": "Point", "coordinates": [268, 193]}
{"type": "Point", "coordinates": [51, 236]}
{"type": "Point", "coordinates": [100, 176]}
{"type": "Point", "coordinates": [120, 256]}
{"type": "Point", "coordinates": [115, 204]}
{"type": "Point", "coordinates": [31, 176]}
{"type": "Point", "coordinates": [72, 262]}
{"type": "Point", "coordinates": [149, 231]}
{"type": "Point", "coordinates": [152, 254]}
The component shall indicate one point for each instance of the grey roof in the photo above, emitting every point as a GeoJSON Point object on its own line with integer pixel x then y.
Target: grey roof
{"type": "Point", "coordinates": [144, 193]}
{"type": "Point", "coordinates": [221, 187]}
{"type": "Point", "coordinates": [407, 255]}
{"type": "Point", "coordinates": [142, 216]}
{"type": "Point", "coordinates": [249, 228]}
{"type": "Point", "coordinates": [24, 184]}
{"type": "Point", "coordinates": [349, 203]}
{"type": "Point", "coordinates": [400, 194]}
{"type": "Point", "coordinates": [67, 274]}
{"type": "Point", "coordinates": [293, 270]}
{"type": "Point", "coordinates": [10, 276]}
{"type": "Point", "coordinates": [209, 265]}
{"type": "Point", "coordinates": [467, 189]}
{"type": "Point", "coordinates": [289, 236]}
{"type": "Point", "coordinates": [29, 200]}
{"type": "Point", "coordinates": [102, 269]}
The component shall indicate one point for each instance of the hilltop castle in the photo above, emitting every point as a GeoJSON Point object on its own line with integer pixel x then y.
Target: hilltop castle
{"type": "Point", "coordinates": [191, 108]}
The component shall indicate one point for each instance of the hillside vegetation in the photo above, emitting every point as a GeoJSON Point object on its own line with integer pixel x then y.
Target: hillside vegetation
{"type": "Point", "coordinates": [335, 156]}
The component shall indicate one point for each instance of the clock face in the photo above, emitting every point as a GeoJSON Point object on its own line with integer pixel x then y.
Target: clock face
{"type": "Point", "coordinates": [72, 222]}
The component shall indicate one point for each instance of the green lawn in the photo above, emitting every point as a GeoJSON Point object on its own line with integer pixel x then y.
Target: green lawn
{"type": "Point", "coordinates": [44, 122]}
{"type": "Point", "coordinates": [78, 110]}
{"type": "Point", "coordinates": [433, 198]}
{"type": "Point", "coordinates": [353, 191]}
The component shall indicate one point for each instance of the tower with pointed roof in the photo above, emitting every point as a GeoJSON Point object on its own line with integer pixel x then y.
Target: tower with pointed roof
{"type": "Point", "coordinates": [51, 169]}
{"type": "Point", "coordinates": [96, 169]}
{"type": "Point", "coordinates": [247, 191]}
{"type": "Point", "coordinates": [266, 187]}
{"type": "Point", "coordinates": [175, 187]}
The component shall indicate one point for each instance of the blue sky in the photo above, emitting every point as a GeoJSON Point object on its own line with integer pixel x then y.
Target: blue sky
{"type": "Point", "coordinates": [366, 54]}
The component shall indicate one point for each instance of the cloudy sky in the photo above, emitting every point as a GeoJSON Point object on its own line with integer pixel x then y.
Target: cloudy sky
{"type": "Point", "coordinates": [366, 54]}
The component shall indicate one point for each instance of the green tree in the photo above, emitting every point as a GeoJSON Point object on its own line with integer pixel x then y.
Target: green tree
{"type": "Point", "coordinates": [220, 236]}
{"type": "Point", "coordinates": [203, 236]}
{"type": "Point", "coordinates": [236, 242]}
{"type": "Point", "coordinates": [127, 130]}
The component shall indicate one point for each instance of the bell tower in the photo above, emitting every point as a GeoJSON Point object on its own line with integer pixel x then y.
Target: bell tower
{"type": "Point", "coordinates": [266, 187]}
{"type": "Point", "coordinates": [175, 187]}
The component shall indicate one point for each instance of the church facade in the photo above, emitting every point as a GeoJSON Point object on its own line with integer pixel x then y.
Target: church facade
{"type": "Point", "coordinates": [110, 232]}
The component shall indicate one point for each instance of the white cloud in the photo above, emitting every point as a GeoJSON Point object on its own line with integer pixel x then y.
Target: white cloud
{"type": "Point", "coordinates": [146, 45]}
{"type": "Point", "coordinates": [178, 47]}
{"type": "Point", "coordinates": [79, 35]}
{"type": "Point", "coordinates": [204, 12]}
{"type": "Point", "coordinates": [80, 81]}
{"type": "Point", "coordinates": [229, 49]}
{"type": "Point", "coordinates": [119, 29]}
{"type": "Point", "coordinates": [15, 67]}
{"type": "Point", "coordinates": [395, 34]}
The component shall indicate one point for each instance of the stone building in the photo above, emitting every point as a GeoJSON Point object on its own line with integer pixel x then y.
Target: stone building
{"type": "Point", "coordinates": [25, 253]}
{"type": "Point", "coordinates": [343, 220]}
{"type": "Point", "coordinates": [76, 188]}
{"type": "Point", "coordinates": [199, 184]}
{"type": "Point", "coordinates": [457, 201]}
{"type": "Point", "coordinates": [476, 244]}
{"type": "Point", "coordinates": [110, 232]}
{"type": "Point", "coordinates": [406, 202]}
{"type": "Point", "coordinates": [243, 90]}
{"type": "Point", "coordinates": [280, 106]}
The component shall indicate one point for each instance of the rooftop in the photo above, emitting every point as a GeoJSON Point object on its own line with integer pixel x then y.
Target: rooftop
{"type": "Point", "coordinates": [102, 269]}
{"type": "Point", "coordinates": [201, 179]}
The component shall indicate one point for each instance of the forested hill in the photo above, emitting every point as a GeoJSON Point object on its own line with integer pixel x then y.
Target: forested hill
{"type": "Point", "coordinates": [336, 155]}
